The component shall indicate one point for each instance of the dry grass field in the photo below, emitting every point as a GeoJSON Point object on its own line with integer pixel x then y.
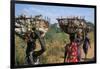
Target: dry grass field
{"type": "Point", "coordinates": [54, 49]}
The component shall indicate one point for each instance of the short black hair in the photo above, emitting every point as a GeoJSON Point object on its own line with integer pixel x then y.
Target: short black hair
{"type": "Point", "coordinates": [33, 28]}
{"type": "Point", "coordinates": [72, 37]}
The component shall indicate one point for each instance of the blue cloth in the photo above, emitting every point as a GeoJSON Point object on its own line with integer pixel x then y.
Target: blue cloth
{"type": "Point", "coordinates": [86, 44]}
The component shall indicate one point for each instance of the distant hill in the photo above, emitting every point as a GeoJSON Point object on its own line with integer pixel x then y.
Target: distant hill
{"type": "Point", "coordinates": [56, 27]}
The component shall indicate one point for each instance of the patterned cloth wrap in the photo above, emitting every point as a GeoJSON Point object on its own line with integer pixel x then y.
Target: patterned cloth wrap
{"type": "Point", "coordinates": [72, 53]}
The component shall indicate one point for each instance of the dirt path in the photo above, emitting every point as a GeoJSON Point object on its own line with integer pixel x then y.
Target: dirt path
{"type": "Point", "coordinates": [90, 54]}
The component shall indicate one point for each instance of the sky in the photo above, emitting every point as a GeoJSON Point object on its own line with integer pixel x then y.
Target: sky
{"type": "Point", "coordinates": [54, 12]}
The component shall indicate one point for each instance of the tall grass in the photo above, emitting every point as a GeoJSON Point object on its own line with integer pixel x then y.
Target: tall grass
{"type": "Point", "coordinates": [55, 43]}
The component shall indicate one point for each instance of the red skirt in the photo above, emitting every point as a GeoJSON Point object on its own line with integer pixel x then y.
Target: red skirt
{"type": "Point", "coordinates": [72, 53]}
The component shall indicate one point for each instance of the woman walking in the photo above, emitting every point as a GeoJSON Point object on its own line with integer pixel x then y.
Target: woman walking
{"type": "Point", "coordinates": [32, 55]}
{"type": "Point", "coordinates": [71, 50]}
{"type": "Point", "coordinates": [86, 45]}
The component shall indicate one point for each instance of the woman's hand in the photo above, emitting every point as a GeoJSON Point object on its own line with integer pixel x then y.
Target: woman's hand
{"type": "Point", "coordinates": [40, 34]}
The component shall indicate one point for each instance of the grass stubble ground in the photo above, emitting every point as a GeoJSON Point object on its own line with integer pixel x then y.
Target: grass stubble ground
{"type": "Point", "coordinates": [54, 49]}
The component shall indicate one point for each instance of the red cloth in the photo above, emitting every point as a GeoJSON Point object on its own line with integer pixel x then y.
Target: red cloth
{"type": "Point", "coordinates": [72, 53]}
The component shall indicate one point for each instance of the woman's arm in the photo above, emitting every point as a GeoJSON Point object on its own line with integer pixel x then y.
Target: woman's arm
{"type": "Point", "coordinates": [65, 55]}
{"type": "Point", "coordinates": [42, 43]}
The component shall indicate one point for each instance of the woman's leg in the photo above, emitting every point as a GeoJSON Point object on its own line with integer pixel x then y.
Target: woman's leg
{"type": "Point", "coordinates": [29, 52]}
{"type": "Point", "coordinates": [42, 50]}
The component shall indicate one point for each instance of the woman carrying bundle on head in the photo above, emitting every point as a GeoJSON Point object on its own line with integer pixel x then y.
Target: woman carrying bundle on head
{"type": "Point", "coordinates": [35, 32]}
{"type": "Point", "coordinates": [71, 50]}
{"type": "Point", "coordinates": [32, 56]}
{"type": "Point", "coordinates": [86, 45]}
